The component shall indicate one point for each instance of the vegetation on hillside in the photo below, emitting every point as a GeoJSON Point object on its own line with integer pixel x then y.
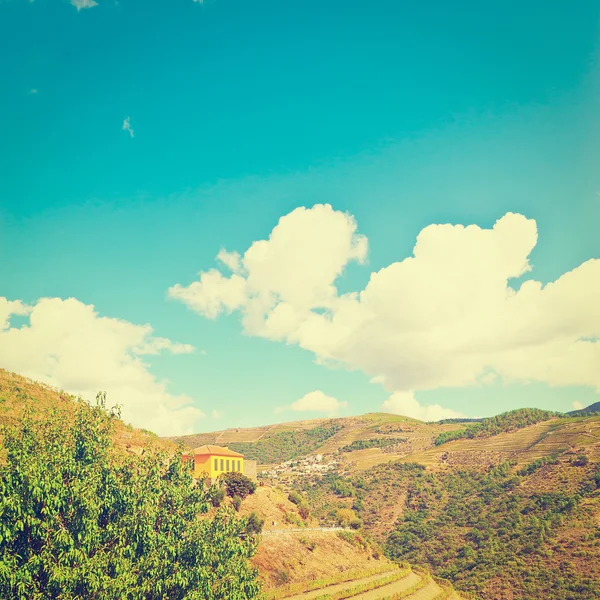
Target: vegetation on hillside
{"type": "Point", "coordinates": [480, 530]}
{"type": "Point", "coordinates": [81, 518]}
{"type": "Point", "coordinates": [492, 533]}
{"type": "Point", "coordinates": [455, 420]}
{"type": "Point", "coordinates": [371, 443]}
{"type": "Point", "coordinates": [592, 409]}
{"type": "Point", "coordinates": [508, 421]}
{"type": "Point", "coordinates": [286, 445]}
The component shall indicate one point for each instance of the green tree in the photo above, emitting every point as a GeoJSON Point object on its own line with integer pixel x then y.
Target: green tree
{"type": "Point", "coordinates": [80, 518]}
{"type": "Point", "coordinates": [237, 484]}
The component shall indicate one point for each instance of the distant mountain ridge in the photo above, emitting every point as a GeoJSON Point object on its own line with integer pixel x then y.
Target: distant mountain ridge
{"type": "Point", "coordinates": [588, 410]}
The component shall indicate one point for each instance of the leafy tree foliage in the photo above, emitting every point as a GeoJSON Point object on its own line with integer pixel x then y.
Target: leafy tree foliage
{"type": "Point", "coordinates": [285, 445]}
{"type": "Point", "coordinates": [237, 484]}
{"type": "Point", "coordinates": [508, 421]}
{"type": "Point", "coordinates": [81, 519]}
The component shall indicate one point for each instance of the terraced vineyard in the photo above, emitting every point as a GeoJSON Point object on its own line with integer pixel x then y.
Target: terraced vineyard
{"type": "Point", "coordinates": [388, 584]}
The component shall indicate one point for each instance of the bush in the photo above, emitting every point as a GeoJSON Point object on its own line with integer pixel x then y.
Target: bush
{"type": "Point", "coordinates": [237, 503]}
{"type": "Point", "coordinates": [303, 511]}
{"type": "Point", "coordinates": [309, 544]}
{"type": "Point", "coordinates": [237, 484]}
{"type": "Point", "coordinates": [343, 488]}
{"type": "Point", "coordinates": [254, 523]}
{"type": "Point", "coordinates": [345, 516]}
{"type": "Point", "coordinates": [81, 519]}
{"type": "Point", "coordinates": [581, 461]}
{"type": "Point", "coordinates": [295, 497]}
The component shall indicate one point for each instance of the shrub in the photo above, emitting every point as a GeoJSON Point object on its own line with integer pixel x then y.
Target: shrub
{"type": "Point", "coordinates": [309, 544]}
{"type": "Point", "coordinates": [581, 461]}
{"type": "Point", "coordinates": [254, 523]}
{"type": "Point", "coordinates": [237, 484]}
{"type": "Point", "coordinates": [303, 511]}
{"type": "Point", "coordinates": [295, 497]}
{"type": "Point", "coordinates": [237, 503]}
{"type": "Point", "coordinates": [345, 516]}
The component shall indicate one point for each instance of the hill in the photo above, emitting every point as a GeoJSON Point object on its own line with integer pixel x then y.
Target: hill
{"type": "Point", "coordinates": [19, 394]}
{"type": "Point", "coordinates": [588, 410]}
{"type": "Point", "coordinates": [295, 558]}
{"type": "Point", "coordinates": [272, 445]}
{"type": "Point", "coordinates": [505, 507]}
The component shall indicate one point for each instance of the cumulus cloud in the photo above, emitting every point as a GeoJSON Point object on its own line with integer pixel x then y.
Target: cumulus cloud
{"type": "Point", "coordinates": [577, 405]}
{"type": "Point", "coordinates": [447, 316]}
{"type": "Point", "coordinates": [127, 125]}
{"type": "Point", "coordinates": [79, 4]}
{"type": "Point", "coordinates": [230, 259]}
{"type": "Point", "coordinates": [405, 403]}
{"type": "Point", "coordinates": [68, 345]}
{"type": "Point", "coordinates": [316, 401]}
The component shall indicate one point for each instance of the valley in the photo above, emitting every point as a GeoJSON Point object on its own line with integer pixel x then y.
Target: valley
{"type": "Point", "coordinates": [380, 506]}
{"type": "Point", "coordinates": [512, 512]}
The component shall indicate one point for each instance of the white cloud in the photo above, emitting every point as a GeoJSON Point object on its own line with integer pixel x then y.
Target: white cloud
{"type": "Point", "coordinates": [215, 414]}
{"type": "Point", "coordinates": [33, 91]}
{"type": "Point", "coordinates": [577, 405]}
{"type": "Point", "coordinates": [127, 124]}
{"type": "Point", "coordinates": [232, 260]}
{"type": "Point", "coordinates": [68, 345]}
{"type": "Point", "coordinates": [213, 294]}
{"type": "Point", "coordinates": [405, 403]}
{"type": "Point", "coordinates": [446, 316]}
{"type": "Point", "coordinates": [79, 4]}
{"type": "Point", "coordinates": [315, 401]}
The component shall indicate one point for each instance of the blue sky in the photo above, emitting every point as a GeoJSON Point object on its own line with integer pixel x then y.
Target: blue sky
{"type": "Point", "coordinates": [401, 116]}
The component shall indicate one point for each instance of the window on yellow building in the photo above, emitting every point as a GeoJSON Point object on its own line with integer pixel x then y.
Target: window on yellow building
{"type": "Point", "coordinates": [239, 469]}
{"type": "Point", "coordinates": [228, 465]}
{"type": "Point", "coordinates": [222, 463]}
{"type": "Point", "coordinates": [216, 464]}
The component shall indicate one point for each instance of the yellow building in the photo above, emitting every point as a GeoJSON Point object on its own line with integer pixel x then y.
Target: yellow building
{"type": "Point", "coordinates": [212, 461]}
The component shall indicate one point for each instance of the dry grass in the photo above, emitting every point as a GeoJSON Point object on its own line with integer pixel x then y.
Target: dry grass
{"type": "Point", "coordinates": [287, 559]}
{"type": "Point", "coordinates": [272, 504]}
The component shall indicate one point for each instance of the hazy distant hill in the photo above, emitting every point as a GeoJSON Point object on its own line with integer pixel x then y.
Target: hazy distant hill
{"type": "Point", "coordinates": [588, 410]}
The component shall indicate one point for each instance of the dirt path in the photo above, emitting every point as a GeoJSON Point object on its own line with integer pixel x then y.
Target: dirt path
{"type": "Point", "coordinates": [390, 589]}
{"type": "Point", "coordinates": [331, 589]}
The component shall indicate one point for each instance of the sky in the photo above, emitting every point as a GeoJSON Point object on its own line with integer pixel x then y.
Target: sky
{"type": "Point", "coordinates": [229, 213]}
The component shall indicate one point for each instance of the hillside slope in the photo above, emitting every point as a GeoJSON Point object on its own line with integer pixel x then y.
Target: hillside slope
{"type": "Point", "coordinates": [509, 509]}
{"type": "Point", "coordinates": [294, 556]}
{"type": "Point", "coordinates": [19, 394]}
